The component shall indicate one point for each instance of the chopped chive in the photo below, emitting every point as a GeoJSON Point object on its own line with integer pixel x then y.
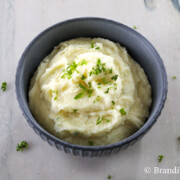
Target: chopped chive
{"type": "Point", "coordinates": [21, 146]}
{"type": "Point", "coordinates": [160, 157]}
{"type": "Point", "coordinates": [83, 77]}
{"type": "Point", "coordinates": [74, 110]}
{"type": "Point", "coordinates": [81, 86]}
{"type": "Point", "coordinates": [89, 91]}
{"type": "Point", "coordinates": [107, 91]}
{"type": "Point", "coordinates": [113, 103]}
{"type": "Point", "coordinates": [89, 84]}
{"type": "Point", "coordinates": [92, 44]}
{"type": "Point", "coordinates": [99, 120]}
{"type": "Point", "coordinates": [109, 177]}
{"type": "Point", "coordinates": [134, 27]}
{"type": "Point", "coordinates": [78, 96]}
{"type": "Point", "coordinates": [114, 77]}
{"type": "Point", "coordinates": [173, 77]}
{"type": "Point", "coordinates": [98, 48]}
{"type": "Point", "coordinates": [122, 111]}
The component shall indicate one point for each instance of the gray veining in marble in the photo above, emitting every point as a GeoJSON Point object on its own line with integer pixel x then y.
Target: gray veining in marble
{"type": "Point", "coordinates": [20, 22]}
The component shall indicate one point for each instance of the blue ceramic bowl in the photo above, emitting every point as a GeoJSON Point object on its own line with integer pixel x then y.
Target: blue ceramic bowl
{"type": "Point", "coordinates": [138, 47]}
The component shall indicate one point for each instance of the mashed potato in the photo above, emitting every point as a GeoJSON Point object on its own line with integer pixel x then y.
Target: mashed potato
{"type": "Point", "coordinates": [90, 92]}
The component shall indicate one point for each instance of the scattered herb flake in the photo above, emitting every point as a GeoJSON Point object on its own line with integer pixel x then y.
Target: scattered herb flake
{"type": "Point", "coordinates": [99, 120]}
{"type": "Point", "coordinates": [122, 111]}
{"type": "Point", "coordinates": [108, 120]}
{"type": "Point", "coordinates": [173, 77]}
{"type": "Point", "coordinates": [113, 103]}
{"type": "Point", "coordinates": [160, 157]}
{"type": "Point", "coordinates": [91, 143]}
{"type": "Point", "coordinates": [111, 71]}
{"type": "Point", "coordinates": [98, 48]}
{"type": "Point", "coordinates": [69, 70]}
{"type": "Point", "coordinates": [134, 27]}
{"type": "Point", "coordinates": [109, 177]}
{"type": "Point", "coordinates": [83, 77]}
{"type": "Point", "coordinates": [89, 84]}
{"type": "Point", "coordinates": [81, 86]}
{"type": "Point", "coordinates": [83, 62]}
{"type": "Point", "coordinates": [55, 98]}
{"type": "Point", "coordinates": [74, 110]}
{"type": "Point", "coordinates": [92, 44]}
{"type": "Point", "coordinates": [89, 91]}
{"type": "Point", "coordinates": [114, 77]}
{"type": "Point", "coordinates": [100, 67]}
{"type": "Point", "coordinates": [107, 91]}
{"type": "Point", "coordinates": [21, 146]}
{"type": "Point", "coordinates": [78, 96]}
{"type": "Point", "coordinates": [179, 138]}
{"type": "Point", "coordinates": [4, 86]}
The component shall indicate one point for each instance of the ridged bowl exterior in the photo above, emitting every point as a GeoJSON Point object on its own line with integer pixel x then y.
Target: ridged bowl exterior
{"type": "Point", "coordinates": [138, 47]}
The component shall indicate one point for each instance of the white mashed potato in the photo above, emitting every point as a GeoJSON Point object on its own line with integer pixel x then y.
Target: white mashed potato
{"type": "Point", "coordinates": [90, 92]}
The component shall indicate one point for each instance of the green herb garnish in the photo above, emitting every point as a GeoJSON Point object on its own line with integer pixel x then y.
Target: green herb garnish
{"type": "Point", "coordinates": [81, 86]}
{"type": "Point", "coordinates": [179, 138]}
{"type": "Point", "coordinates": [69, 70]}
{"type": "Point", "coordinates": [78, 96]}
{"type": "Point", "coordinates": [4, 86]}
{"type": "Point", "coordinates": [107, 91]}
{"type": "Point", "coordinates": [89, 84]}
{"type": "Point", "coordinates": [134, 27]}
{"type": "Point", "coordinates": [89, 91]}
{"type": "Point", "coordinates": [104, 81]}
{"type": "Point", "coordinates": [160, 157]}
{"type": "Point", "coordinates": [173, 77]}
{"type": "Point", "coordinates": [83, 77]}
{"type": "Point", "coordinates": [74, 110]}
{"type": "Point", "coordinates": [111, 71]}
{"type": "Point", "coordinates": [113, 103]}
{"type": "Point", "coordinates": [92, 44]}
{"type": "Point", "coordinates": [100, 67]}
{"type": "Point", "coordinates": [98, 48]}
{"type": "Point", "coordinates": [99, 120]}
{"type": "Point", "coordinates": [83, 62]}
{"type": "Point", "coordinates": [21, 146]}
{"type": "Point", "coordinates": [109, 177]}
{"type": "Point", "coordinates": [108, 120]}
{"type": "Point", "coordinates": [114, 77]}
{"type": "Point", "coordinates": [55, 98]}
{"type": "Point", "coordinates": [122, 111]}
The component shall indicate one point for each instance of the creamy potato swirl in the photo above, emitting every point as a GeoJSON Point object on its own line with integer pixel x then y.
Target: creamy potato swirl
{"type": "Point", "coordinates": [90, 92]}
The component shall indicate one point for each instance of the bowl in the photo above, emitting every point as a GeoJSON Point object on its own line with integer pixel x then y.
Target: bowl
{"type": "Point", "coordinates": [137, 46]}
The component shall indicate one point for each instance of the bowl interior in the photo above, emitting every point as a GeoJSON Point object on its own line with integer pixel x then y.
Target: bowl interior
{"type": "Point", "coordinates": [138, 47]}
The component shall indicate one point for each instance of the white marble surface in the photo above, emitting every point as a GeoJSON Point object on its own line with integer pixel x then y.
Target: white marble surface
{"type": "Point", "coordinates": [22, 20]}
